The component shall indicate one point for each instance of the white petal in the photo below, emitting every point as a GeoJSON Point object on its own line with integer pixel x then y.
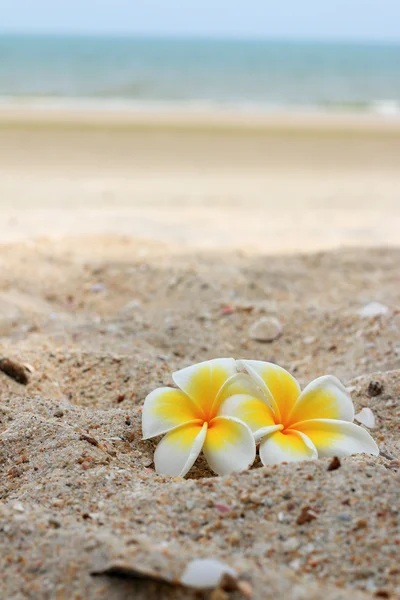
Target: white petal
{"type": "Point", "coordinates": [366, 417]}
{"type": "Point", "coordinates": [264, 431]}
{"type": "Point", "coordinates": [280, 387]}
{"type": "Point", "coordinates": [202, 382]}
{"type": "Point", "coordinates": [206, 573]}
{"type": "Point", "coordinates": [323, 398]}
{"type": "Point", "coordinates": [164, 409]}
{"type": "Point", "coordinates": [251, 410]}
{"type": "Point", "coordinates": [178, 450]}
{"type": "Point", "coordinates": [240, 383]}
{"type": "Point", "coordinates": [229, 445]}
{"type": "Point", "coordinates": [338, 438]}
{"type": "Point", "coordinates": [291, 446]}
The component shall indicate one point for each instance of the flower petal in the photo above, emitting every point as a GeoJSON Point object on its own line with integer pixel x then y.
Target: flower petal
{"type": "Point", "coordinates": [178, 450]}
{"type": "Point", "coordinates": [203, 381]}
{"type": "Point", "coordinates": [324, 398]}
{"type": "Point", "coordinates": [164, 409]}
{"type": "Point", "coordinates": [338, 438]}
{"type": "Point", "coordinates": [252, 411]}
{"type": "Point", "coordinates": [229, 445]}
{"type": "Point", "coordinates": [240, 383]}
{"type": "Point", "coordinates": [260, 433]}
{"type": "Point", "coordinates": [290, 446]}
{"type": "Point", "coordinates": [281, 389]}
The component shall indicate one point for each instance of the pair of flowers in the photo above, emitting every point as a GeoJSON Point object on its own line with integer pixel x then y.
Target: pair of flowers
{"type": "Point", "coordinates": [225, 407]}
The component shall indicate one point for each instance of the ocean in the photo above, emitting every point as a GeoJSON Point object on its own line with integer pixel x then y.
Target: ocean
{"type": "Point", "coordinates": [265, 75]}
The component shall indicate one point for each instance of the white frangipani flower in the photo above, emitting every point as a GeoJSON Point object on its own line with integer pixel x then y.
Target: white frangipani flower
{"type": "Point", "coordinates": [191, 419]}
{"type": "Point", "coordinates": [292, 425]}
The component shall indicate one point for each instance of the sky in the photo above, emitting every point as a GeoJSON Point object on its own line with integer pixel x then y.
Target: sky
{"type": "Point", "coordinates": [310, 19]}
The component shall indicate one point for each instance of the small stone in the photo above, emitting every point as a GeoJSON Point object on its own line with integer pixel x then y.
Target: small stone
{"type": "Point", "coordinates": [375, 388]}
{"type": "Point", "coordinates": [281, 516]}
{"type": "Point", "coordinates": [97, 287]}
{"type": "Point", "coordinates": [291, 544]}
{"type": "Point", "coordinates": [373, 309]}
{"type": "Point", "coordinates": [207, 573]}
{"type": "Point", "coordinates": [227, 310]}
{"type": "Point", "coordinates": [361, 524]}
{"type": "Point", "coordinates": [222, 508]}
{"type": "Point", "coordinates": [266, 329]}
{"type": "Point", "coordinates": [54, 523]}
{"type": "Point", "coordinates": [366, 417]}
{"type": "Point", "coordinates": [394, 465]}
{"type": "Point", "coordinates": [228, 582]}
{"type": "Point", "coordinates": [245, 588]}
{"type": "Point", "coordinates": [218, 594]}
{"type": "Point", "coordinates": [306, 515]}
{"type": "Point", "coordinates": [14, 370]}
{"type": "Point", "coordinates": [58, 413]}
{"type": "Point", "coordinates": [88, 438]}
{"type": "Point", "coordinates": [334, 464]}
{"type": "Point", "coordinates": [234, 539]}
{"type": "Point", "coordinates": [344, 517]}
{"type": "Point", "coordinates": [132, 305]}
{"type": "Point", "coordinates": [351, 388]}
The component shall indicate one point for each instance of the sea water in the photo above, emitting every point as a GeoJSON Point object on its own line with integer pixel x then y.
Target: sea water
{"type": "Point", "coordinates": [200, 72]}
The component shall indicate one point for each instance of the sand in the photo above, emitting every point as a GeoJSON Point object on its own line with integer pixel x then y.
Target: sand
{"type": "Point", "coordinates": [317, 183]}
{"type": "Point", "coordinates": [127, 254]}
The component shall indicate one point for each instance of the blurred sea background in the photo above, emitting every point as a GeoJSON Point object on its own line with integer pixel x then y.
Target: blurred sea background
{"type": "Point", "coordinates": [267, 75]}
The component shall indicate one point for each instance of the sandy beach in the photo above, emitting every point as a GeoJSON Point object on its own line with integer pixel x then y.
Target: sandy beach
{"type": "Point", "coordinates": [132, 246]}
{"type": "Point", "coordinates": [272, 184]}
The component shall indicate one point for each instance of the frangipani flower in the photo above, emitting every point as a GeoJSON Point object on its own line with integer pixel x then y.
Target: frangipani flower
{"type": "Point", "coordinates": [294, 425]}
{"type": "Point", "coordinates": [190, 417]}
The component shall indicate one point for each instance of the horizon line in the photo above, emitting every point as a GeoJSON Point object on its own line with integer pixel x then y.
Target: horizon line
{"type": "Point", "coordinates": [200, 36]}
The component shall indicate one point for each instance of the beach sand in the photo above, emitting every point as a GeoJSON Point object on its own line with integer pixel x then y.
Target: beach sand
{"type": "Point", "coordinates": [268, 185]}
{"type": "Point", "coordinates": [132, 249]}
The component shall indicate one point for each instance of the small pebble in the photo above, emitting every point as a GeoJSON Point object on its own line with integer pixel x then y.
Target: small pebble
{"type": "Point", "coordinates": [234, 538]}
{"type": "Point", "coordinates": [219, 594]}
{"type": "Point", "coordinates": [306, 515]}
{"type": "Point", "coordinates": [373, 309]}
{"type": "Point", "coordinates": [361, 524]}
{"type": "Point", "coordinates": [222, 508]}
{"type": "Point", "coordinates": [366, 417]}
{"type": "Point", "coordinates": [334, 464]}
{"type": "Point", "coordinates": [344, 517]}
{"type": "Point", "coordinates": [266, 329]}
{"type": "Point", "coordinates": [97, 287]}
{"type": "Point", "coordinates": [14, 370]}
{"type": "Point", "coordinates": [375, 388]}
{"type": "Point", "coordinates": [291, 544]}
{"type": "Point", "coordinates": [205, 573]}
